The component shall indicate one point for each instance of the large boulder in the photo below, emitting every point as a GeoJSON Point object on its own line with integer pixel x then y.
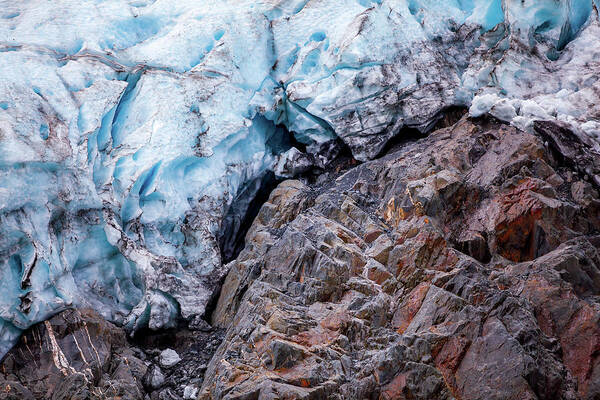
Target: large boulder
{"type": "Point", "coordinates": [75, 355]}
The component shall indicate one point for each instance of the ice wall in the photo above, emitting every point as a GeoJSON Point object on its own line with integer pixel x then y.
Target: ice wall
{"type": "Point", "coordinates": [127, 127]}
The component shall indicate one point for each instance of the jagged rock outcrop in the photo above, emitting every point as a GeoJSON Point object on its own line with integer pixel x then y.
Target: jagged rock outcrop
{"type": "Point", "coordinates": [464, 265]}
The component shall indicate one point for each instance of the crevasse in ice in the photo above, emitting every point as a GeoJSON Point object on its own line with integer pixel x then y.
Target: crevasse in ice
{"type": "Point", "coordinates": [127, 127]}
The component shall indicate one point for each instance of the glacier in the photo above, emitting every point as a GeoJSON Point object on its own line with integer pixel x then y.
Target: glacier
{"type": "Point", "coordinates": [129, 127]}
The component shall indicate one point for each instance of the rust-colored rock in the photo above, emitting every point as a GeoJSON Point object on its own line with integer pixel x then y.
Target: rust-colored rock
{"type": "Point", "coordinates": [461, 266]}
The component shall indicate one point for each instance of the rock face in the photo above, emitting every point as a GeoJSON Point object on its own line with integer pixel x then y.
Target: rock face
{"type": "Point", "coordinates": [461, 266]}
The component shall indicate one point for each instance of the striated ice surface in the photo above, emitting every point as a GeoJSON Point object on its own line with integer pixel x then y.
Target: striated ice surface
{"type": "Point", "coordinates": [127, 128]}
{"type": "Point", "coordinates": [557, 85]}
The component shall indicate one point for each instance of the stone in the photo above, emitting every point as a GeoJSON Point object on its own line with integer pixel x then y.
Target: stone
{"type": "Point", "coordinates": [169, 358]}
{"type": "Point", "coordinates": [155, 378]}
{"type": "Point", "coordinates": [380, 249]}
{"type": "Point", "coordinates": [190, 392]}
{"type": "Point", "coordinates": [74, 355]}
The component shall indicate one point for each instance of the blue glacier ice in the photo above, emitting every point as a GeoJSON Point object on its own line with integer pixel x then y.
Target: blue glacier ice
{"type": "Point", "coordinates": [127, 127]}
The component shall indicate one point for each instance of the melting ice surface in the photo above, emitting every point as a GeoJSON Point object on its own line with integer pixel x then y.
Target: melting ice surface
{"type": "Point", "coordinates": [128, 127]}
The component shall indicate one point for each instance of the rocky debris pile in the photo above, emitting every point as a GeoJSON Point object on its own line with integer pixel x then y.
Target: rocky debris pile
{"type": "Point", "coordinates": [178, 360]}
{"type": "Point", "coordinates": [461, 266]}
{"type": "Point", "coordinates": [77, 355]}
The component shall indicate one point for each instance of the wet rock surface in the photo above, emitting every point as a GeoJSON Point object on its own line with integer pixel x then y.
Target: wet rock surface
{"type": "Point", "coordinates": [461, 266]}
{"type": "Point", "coordinates": [464, 265]}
